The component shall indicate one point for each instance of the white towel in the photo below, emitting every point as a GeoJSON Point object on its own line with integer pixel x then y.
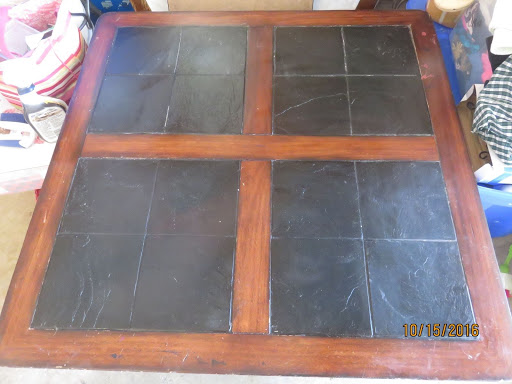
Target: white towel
{"type": "Point", "coordinates": [501, 27]}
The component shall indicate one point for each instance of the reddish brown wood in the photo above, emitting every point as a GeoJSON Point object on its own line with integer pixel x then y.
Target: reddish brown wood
{"type": "Point", "coordinates": [258, 83]}
{"type": "Point", "coordinates": [21, 298]}
{"type": "Point", "coordinates": [478, 258]}
{"type": "Point", "coordinates": [252, 260]}
{"type": "Point", "coordinates": [487, 358]}
{"type": "Point", "coordinates": [261, 147]}
{"type": "Point", "coordinates": [251, 354]}
{"type": "Point", "coordinates": [261, 18]}
{"type": "Point", "coordinates": [366, 4]}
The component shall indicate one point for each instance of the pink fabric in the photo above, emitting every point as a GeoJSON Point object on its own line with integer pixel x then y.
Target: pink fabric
{"type": "Point", "coordinates": [486, 66]}
{"type": "Point", "coordinates": [4, 19]}
{"type": "Point", "coordinates": [38, 14]}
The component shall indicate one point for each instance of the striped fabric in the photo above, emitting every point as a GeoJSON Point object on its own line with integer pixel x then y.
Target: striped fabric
{"type": "Point", "coordinates": [493, 115]}
{"type": "Point", "coordinates": [57, 62]}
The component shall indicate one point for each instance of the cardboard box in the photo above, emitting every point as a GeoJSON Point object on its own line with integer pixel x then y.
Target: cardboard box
{"type": "Point", "coordinates": [240, 5]}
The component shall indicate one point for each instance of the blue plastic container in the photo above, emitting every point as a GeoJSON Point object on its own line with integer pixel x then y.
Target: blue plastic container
{"type": "Point", "coordinates": [443, 35]}
{"type": "Point", "coordinates": [498, 210]}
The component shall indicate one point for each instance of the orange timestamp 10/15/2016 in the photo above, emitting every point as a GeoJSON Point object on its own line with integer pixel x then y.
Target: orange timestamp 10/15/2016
{"type": "Point", "coordinates": [441, 330]}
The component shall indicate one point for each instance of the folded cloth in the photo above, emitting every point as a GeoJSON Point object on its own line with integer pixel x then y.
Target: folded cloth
{"type": "Point", "coordinates": [493, 114]}
{"type": "Point", "coordinates": [501, 27]}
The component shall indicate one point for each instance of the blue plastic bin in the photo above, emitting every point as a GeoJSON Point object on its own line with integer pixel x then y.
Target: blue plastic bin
{"type": "Point", "coordinates": [443, 35]}
{"type": "Point", "coordinates": [498, 210]}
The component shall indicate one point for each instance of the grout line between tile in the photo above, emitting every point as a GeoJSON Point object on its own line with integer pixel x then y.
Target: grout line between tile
{"type": "Point", "coordinates": [235, 236]}
{"type": "Point", "coordinates": [360, 238]}
{"type": "Point", "coordinates": [349, 75]}
{"type": "Point", "coordinates": [143, 245]}
{"type": "Point", "coordinates": [248, 32]}
{"type": "Point", "coordinates": [366, 269]}
{"type": "Point", "coordinates": [144, 234]}
{"type": "Point", "coordinates": [178, 54]}
{"type": "Point", "coordinates": [274, 44]}
{"type": "Point", "coordinates": [349, 103]}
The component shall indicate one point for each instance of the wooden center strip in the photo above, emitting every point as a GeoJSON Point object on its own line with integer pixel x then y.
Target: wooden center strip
{"type": "Point", "coordinates": [261, 147]}
{"type": "Point", "coordinates": [258, 82]}
{"type": "Point", "coordinates": [252, 259]}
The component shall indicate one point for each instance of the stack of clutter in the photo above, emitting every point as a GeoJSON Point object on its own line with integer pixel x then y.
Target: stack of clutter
{"type": "Point", "coordinates": [493, 123]}
{"type": "Point", "coordinates": [42, 47]}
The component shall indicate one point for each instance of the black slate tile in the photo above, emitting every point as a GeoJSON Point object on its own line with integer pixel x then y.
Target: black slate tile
{"type": "Point", "coordinates": [319, 288]}
{"type": "Point", "coordinates": [109, 196]}
{"type": "Point", "coordinates": [316, 106]}
{"type": "Point", "coordinates": [404, 200]}
{"type": "Point", "coordinates": [195, 197]}
{"type": "Point", "coordinates": [420, 282]}
{"type": "Point", "coordinates": [309, 51]}
{"type": "Point", "coordinates": [213, 50]}
{"type": "Point", "coordinates": [90, 282]}
{"type": "Point", "coordinates": [144, 50]}
{"type": "Point", "coordinates": [206, 104]}
{"type": "Point", "coordinates": [132, 104]}
{"type": "Point", "coordinates": [314, 199]}
{"type": "Point", "coordinates": [185, 284]}
{"type": "Point", "coordinates": [390, 105]}
{"type": "Point", "coordinates": [380, 50]}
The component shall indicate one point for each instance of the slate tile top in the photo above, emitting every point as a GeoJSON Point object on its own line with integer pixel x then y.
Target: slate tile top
{"type": "Point", "coordinates": [195, 198]}
{"type": "Point", "coordinates": [213, 51]}
{"type": "Point", "coordinates": [144, 50]}
{"type": "Point", "coordinates": [183, 80]}
{"type": "Point", "coordinates": [388, 105]}
{"type": "Point", "coordinates": [132, 104]}
{"type": "Point", "coordinates": [404, 200]}
{"type": "Point", "coordinates": [309, 51]}
{"type": "Point", "coordinates": [90, 282]}
{"type": "Point", "coordinates": [311, 106]}
{"type": "Point", "coordinates": [132, 229]}
{"type": "Point", "coordinates": [315, 200]}
{"type": "Point", "coordinates": [109, 196]}
{"type": "Point", "coordinates": [185, 284]}
{"type": "Point", "coordinates": [319, 288]}
{"type": "Point", "coordinates": [338, 81]}
{"type": "Point", "coordinates": [323, 213]}
{"type": "Point", "coordinates": [385, 50]}
{"type": "Point", "coordinates": [317, 264]}
{"type": "Point", "coordinates": [206, 105]}
{"type": "Point", "coordinates": [418, 282]}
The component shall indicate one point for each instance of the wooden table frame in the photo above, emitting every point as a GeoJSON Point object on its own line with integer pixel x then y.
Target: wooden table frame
{"type": "Point", "coordinates": [250, 349]}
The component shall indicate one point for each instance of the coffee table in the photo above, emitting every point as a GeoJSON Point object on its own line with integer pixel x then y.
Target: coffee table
{"type": "Point", "coordinates": [282, 193]}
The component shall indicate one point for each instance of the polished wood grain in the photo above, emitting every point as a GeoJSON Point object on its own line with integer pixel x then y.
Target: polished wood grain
{"type": "Point", "coordinates": [258, 83]}
{"type": "Point", "coordinates": [252, 260]}
{"type": "Point", "coordinates": [262, 18]}
{"type": "Point", "coordinates": [252, 147]}
{"type": "Point", "coordinates": [488, 358]}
